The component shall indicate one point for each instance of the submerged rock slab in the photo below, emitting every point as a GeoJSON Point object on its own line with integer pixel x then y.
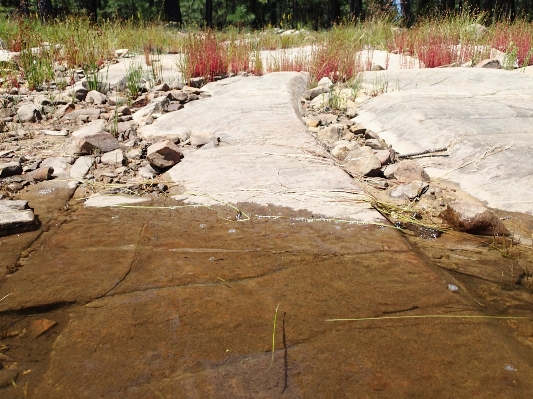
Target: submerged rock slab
{"type": "Point", "coordinates": [473, 218]}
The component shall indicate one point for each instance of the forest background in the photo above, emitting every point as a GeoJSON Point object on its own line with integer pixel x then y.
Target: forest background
{"type": "Point", "coordinates": [261, 14]}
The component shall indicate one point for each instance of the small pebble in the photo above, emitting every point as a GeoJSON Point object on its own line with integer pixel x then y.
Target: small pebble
{"type": "Point", "coordinates": [232, 231]}
{"type": "Point", "coordinates": [453, 287]}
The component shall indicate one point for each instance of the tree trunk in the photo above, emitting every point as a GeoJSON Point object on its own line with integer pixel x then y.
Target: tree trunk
{"type": "Point", "coordinates": [335, 11]}
{"type": "Point", "coordinates": [423, 6]}
{"type": "Point", "coordinates": [318, 11]}
{"type": "Point", "coordinates": [173, 11]}
{"type": "Point", "coordinates": [253, 10]}
{"type": "Point", "coordinates": [273, 13]}
{"type": "Point", "coordinates": [513, 10]}
{"type": "Point", "coordinates": [92, 9]}
{"type": "Point", "coordinates": [44, 9]}
{"type": "Point", "coordinates": [450, 5]}
{"type": "Point", "coordinates": [476, 5]}
{"type": "Point", "coordinates": [356, 9]}
{"type": "Point", "coordinates": [407, 16]}
{"type": "Point", "coordinates": [209, 13]}
{"type": "Point", "coordinates": [294, 18]}
{"type": "Point", "coordinates": [23, 8]}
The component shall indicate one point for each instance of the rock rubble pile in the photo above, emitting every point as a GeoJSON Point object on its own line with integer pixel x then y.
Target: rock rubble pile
{"type": "Point", "coordinates": [365, 156]}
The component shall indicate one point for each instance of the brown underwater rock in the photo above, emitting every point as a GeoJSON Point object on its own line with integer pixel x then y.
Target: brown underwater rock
{"type": "Point", "coordinates": [471, 218]}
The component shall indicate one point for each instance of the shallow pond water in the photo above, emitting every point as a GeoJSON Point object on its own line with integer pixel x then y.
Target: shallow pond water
{"type": "Point", "coordinates": [179, 302]}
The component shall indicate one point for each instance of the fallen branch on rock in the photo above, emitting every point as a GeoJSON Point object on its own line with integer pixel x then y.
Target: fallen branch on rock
{"type": "Point", "coordinates": [414, 154]}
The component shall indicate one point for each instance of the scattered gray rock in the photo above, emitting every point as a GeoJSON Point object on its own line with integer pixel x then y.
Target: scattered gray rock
{"type": "Point", "coordinates": [358, 130]}
{"type": "Point", "coordinates": [133, 154]}
{"type": "Point", "coordinates": [331, 133]}
{"type": "Point", "coordinates": [409, 191]}
{"type": "Point", "coordinates": [147, 172]}
{"type": "Point", "coordinates": [327, 119]}
{"type": "Point", "coordinates": [389, 170]}
{"type": "Point", "coordinates": [28, 112]}
{"type": "Point", "coordinates": [311, 121]}
{"type": "Point", "coordinates": [80, 93]}
{"type": "Point", "coordinates": [198, 139]}
{"type": "Point", "coordinates": [41, 100]}
{"type": "Point", "coordinates": [197, 82]}
{"type": "Point", "coordinates": [342, 148]}
{"type": "Point", "coordinates": [164, 154]}
{"type": "Point", "coordinates": [472, 218]}
{"type": "Point", "coordinates": [63, 110]}
{"type": "Point", "coordinates": [369, 135]}
{"type": "Point", "coordinates": [95, 97]}
{"type": "Point", "coordinates": [312, 93]}
{"type": "Point", "coordinates": [489, 63]}
{"type": "Point", "coordinates": [375, 144]}
{"type": "Point", "coordinates": [98, 143]}
{"type": "Point", "coordinates": [158, 104]}
{"type": "Point", "coordinates": [10, 169]}
{"type": "Point", "coordinates": [377, 182]}
{"type": "Point", "coordinates": [178, 95]}
{"type": "Point", "coordinates": [71, 116]}
{"type": "Point", "coordinates": [320, 101]}
{"type": "Point", "coordinates": [407, 171]}
{"type": "Point", "coordinates": [325, 81]}
{"type": "Point", "coordinates": [124, 110]}
{"type": "Point", "coordinates": [123, 127]}
{"type": "Point", "coordinates": [116, 99]}
{"type": "Point", "coordinates": [115, 157]}
{"type": "Point", "coordinates": [32, 166]}
{"type": "Point", "coordinates": [362, 161]}
{"type": "Point", "coordinates": [81, 166]}
{"type": "Point", "coordinates": [161, 87]}
{"type": "Point", "coordinates": [174, 107]}
{"type": "Point", "coordinates": [384, 156]}
{"type": "Point", "coordinates": [94, 127]}
{"type": "Point", "coordinates": [351, 112]}
{"type": "Point", "coordinates": [59, 165]}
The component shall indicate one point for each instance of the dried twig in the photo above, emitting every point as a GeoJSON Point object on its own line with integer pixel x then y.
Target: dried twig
{"type": "Point", "coordinates": [1, 299]}
{"type": "Point", "coordinates": [430, 151]}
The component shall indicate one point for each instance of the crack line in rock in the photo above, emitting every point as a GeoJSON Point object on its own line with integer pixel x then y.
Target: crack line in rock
{"type": "Point", "coordinates": [187, 285]}
{"type": "Point", "coordinates": [135, 257]}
